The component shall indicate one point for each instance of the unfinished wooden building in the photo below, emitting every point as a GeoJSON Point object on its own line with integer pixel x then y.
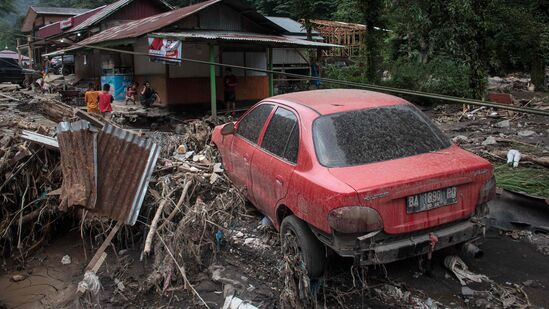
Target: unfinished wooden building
{"type": "Point", "coordinates": [350, 36]}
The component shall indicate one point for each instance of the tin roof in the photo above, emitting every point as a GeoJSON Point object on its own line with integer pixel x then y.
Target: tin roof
{"type": "Point", "coordinates": [57, 11]}
{"type": "Point", "coordinates": [278, 40]}
{"type": "Point", "coordinates": [291, 26]}
{"type": "Point", "coordinates": [108, 11]}
{"type": "Point", "coordinates": [12, 55]}
{"type": "Point", "coordinates": [55, 28]}
{"type": "Point", "coordinates": [140, 27]}
{"type": "Point", "coordinates": [137, 28]}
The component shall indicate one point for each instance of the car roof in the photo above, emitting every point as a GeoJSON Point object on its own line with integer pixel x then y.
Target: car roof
{"type": "Point", "coordinates": [329, 101]}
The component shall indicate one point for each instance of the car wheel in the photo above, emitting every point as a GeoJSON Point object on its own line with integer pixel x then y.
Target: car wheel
{"type": "Point", "coordinates": [298, 240]}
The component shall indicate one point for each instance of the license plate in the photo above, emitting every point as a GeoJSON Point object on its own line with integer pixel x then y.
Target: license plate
{"type": "Point", "coordinates": [430, 200]}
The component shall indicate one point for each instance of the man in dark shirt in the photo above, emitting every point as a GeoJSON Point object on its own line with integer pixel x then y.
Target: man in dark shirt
{"type": "Point", "coordinates": [230, 83]}
{"type": "Point", "coordinates": [148, 95]}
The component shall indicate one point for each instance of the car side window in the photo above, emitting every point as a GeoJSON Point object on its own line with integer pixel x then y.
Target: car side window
{"type": "Point", "coordinates": [282, 135]}
{"type": "Point", "coordinates": [250, 126]}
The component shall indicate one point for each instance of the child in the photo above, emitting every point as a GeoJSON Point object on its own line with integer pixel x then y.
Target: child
{"type": "Point", "coordinates": [92, 99]}
{"type": "Point", "coordinates": [131, 93]}
{"type": "Point", "coordinates": [105, 100]}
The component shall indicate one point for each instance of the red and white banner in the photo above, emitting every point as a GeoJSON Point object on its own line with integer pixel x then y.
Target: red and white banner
{"type": "Point", "coordinates": [165, 50]}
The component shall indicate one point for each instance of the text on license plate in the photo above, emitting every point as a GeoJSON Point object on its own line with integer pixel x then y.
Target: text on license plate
{"type": "Point", "coordinates": [432, 199]}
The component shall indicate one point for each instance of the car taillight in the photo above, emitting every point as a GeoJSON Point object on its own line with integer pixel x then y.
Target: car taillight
{"type": "Point", "coordinates": [355, 219]}
{"type": "Point", "coordinates": [488, 191]}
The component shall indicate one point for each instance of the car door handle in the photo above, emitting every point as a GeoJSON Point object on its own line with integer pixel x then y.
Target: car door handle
{"type": "Point", "coordinates": [279, 180]}
{"type": "Point", "coordinates": [246, 159]}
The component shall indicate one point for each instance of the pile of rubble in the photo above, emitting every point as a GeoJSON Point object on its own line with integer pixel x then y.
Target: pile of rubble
{"type": "Point", "coordinates": [195, 242]}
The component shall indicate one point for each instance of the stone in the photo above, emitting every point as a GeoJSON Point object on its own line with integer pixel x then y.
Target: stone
{"type": "Point", "coordinates": [460, 139]}
{"type": "Point", "coordinates": [467, 292]}
{"type": "Point", "coordinates": [526, 133]}
{"type": "Point", "coordinates": [490, 140]}
{"type": "Point", "coordinates": [503, 124]}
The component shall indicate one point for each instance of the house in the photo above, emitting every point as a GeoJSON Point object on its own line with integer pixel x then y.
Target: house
{"type": "Point", "coordinates": [292, 60]}
{"type": "Point", "coordinates": [38, 17]}
{"type": "Point", "coordinates": [48, 38]}
{"type": "Point", "coordinates": [217, 31]}
{"type": "Point", "coordinates": [350, 36]}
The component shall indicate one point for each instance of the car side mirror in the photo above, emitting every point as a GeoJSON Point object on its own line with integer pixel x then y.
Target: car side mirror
{"type": "Point", "coordinates": [228, 129]}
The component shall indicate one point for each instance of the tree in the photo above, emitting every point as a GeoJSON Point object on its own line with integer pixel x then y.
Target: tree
{"type": "Point", "coordinates": [6, 7]}
{"type": "Point", "coordinates": [373, 11]}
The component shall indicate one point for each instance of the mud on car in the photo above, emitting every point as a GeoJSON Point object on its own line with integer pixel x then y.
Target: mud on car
{"type": "Point", "coordinates": [363, 173]}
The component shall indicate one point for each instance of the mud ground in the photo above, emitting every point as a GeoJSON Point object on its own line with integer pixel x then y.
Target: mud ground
{"type": "Point", "coordinates": [251, 256]}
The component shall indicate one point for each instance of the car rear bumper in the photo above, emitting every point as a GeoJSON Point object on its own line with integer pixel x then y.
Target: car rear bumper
{"type": "Point", "coordinates": [382, 248]}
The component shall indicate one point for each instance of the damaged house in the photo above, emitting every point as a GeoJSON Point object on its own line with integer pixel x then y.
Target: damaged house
{"type": "Point", "coordinates": [219, 31]}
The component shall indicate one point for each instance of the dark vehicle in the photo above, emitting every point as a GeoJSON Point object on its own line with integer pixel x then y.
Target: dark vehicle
{"type": "Point", "coordinates": [62, 65]}
{"type": "Point", "coordinates": [11, 71]}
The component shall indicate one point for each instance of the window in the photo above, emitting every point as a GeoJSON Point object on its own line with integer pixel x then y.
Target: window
{"type": "Point", "coordinates": [374, 135]}
{"type": "Point", "coordinates": [282, 135]}
{"type": "Point", "coordinates": [250, 126]}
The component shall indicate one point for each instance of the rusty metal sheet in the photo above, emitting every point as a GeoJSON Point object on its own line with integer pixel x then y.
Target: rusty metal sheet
{"type": "Point", "coordinates": [78, 148]}
{"type": "Point", "coordinates": [143, 26]}
{"type": "Point", "coordinates": [125, 164]}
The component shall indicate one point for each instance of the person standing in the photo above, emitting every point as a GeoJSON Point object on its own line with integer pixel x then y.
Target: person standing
{"type": "Point", "coordinates": [131, 93]}
{"type": "Point", "coordinates": [230, 83]}
{"type": "Point", "coordinates": [315, 73]}
{"type": "Point", "coordinates": [105, 101]}
{"type": "Point", "coordinates": [91, 96]}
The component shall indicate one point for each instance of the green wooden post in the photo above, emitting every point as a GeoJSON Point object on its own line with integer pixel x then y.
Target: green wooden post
{"type": "Point", "coordinates": [270, 67]}
{"type": "Point", "coordinates": [213, 89]}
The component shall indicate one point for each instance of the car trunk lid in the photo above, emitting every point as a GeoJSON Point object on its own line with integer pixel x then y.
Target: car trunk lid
{"type": "Point", "coordinates": [386, 186]}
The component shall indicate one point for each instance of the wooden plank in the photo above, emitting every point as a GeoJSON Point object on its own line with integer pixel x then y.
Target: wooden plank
{"type": "Point", "coordinates": [95, 259]}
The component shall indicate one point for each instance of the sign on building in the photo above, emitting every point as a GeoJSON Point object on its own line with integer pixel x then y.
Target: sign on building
{"type": "Point", "coordinates": [165, 50]}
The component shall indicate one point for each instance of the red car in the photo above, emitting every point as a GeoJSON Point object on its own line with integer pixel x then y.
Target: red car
{"type": "Point", "coordinates": [364, 173]}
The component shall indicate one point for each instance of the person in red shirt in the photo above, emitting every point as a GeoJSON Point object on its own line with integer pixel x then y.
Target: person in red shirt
{"type": "Point", "coordinates": [105, 100]}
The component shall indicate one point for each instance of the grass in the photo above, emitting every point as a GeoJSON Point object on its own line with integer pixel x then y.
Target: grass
{"type": "Point", "coordinates": [533, 181]}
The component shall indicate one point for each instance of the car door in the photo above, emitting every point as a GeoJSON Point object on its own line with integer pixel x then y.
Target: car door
{"type": "Point", "coordinates": [274, 162]}
{"type": "Point", "coordinates": [244, 144]}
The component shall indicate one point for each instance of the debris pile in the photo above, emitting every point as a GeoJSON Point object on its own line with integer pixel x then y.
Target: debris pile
{"type": "Point", "coordinates": [30, 174]}
{"type": "Point", "coordinates": [497, 295]}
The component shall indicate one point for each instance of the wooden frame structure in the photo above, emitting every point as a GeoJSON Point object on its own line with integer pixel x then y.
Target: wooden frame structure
{"type": "Point", "coordinates": [351, 36]}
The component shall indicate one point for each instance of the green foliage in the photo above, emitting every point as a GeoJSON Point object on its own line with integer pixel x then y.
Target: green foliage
{"type": "Point", "coordinates": [353, 73]}
{"type": "Point", "coordinates": [6, 7]}
{"type": "Point", "coordinates": [9, 35]}
{"type": "Point", "coordinates": [440, 75]}
{"type": "Point", "coordinates": [534, 181]}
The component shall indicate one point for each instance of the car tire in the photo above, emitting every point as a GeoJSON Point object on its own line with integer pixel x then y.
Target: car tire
{"type": "Point", "coordinates": [297, 236]}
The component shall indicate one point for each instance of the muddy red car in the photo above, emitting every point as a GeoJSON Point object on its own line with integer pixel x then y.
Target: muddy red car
{"type": "Point", "coordinates": [363, 173]}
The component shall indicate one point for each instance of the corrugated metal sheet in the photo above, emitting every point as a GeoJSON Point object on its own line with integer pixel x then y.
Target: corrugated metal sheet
{"type": "Point", "coordinates": [143, 26]}
{"type": "Point", "coordinates": [138, 9]}
{"type": "Point", "coordinates": [108, 11]}
{"type": "Point", "coordinates": [277, 40]}
{"type": "Point", "coordinates": [55, 28]}
{"type": "Point", "coordinates": [57, 10]}
{"type": "Point", "coordinates": [291, 26]}
{"type": "Point", "coordinates": [125, 165]}
{"type": "Point", "coordinates": [78, 148]}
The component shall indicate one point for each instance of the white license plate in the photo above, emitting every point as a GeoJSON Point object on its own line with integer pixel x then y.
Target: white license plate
{"type": "Point", "coordinates": [430, 200]}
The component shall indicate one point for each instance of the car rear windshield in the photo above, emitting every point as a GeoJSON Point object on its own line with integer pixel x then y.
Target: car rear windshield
{"type": "Point", "coordinates": [374, 135]}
